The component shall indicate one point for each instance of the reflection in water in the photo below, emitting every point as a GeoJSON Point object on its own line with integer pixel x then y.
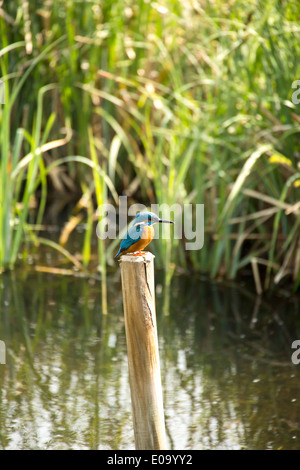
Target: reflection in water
{"type": "Point", "coordinates": [228, 380]}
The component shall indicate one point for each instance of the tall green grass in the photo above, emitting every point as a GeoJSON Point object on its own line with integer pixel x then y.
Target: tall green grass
{"type": "Point", "coordinates": [18, 174]}
{"type": "Point", "coordinates": [178, 102]}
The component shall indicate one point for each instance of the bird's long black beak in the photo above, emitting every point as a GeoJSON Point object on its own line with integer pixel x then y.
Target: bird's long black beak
{"type": "Point", "coordinates": [165, 221]}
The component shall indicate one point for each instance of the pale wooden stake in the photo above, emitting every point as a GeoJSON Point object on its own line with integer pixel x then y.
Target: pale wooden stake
{"type": "Point", "coordinates": [137, 274]}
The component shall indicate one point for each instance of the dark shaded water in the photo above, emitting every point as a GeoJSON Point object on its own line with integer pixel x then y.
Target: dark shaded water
{"type": "Point", "coordinates": [228, 379]}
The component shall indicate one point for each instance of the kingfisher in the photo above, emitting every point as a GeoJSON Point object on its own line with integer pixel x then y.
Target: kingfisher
{"type": "Point", "coordinates": [140, 233]}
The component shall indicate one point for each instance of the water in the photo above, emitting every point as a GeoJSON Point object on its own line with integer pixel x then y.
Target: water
{"type": "Point", "coordinates": [228, 379]}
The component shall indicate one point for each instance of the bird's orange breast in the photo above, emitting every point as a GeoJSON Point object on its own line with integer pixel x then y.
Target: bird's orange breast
{"type": "Point", "coordinates": [148, 233]}
{"type": "Point", "coordinates": [147, 236]}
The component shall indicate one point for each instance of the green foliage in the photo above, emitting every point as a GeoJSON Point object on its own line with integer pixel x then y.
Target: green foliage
{"type": "Point", "coordinates": [178, 102]}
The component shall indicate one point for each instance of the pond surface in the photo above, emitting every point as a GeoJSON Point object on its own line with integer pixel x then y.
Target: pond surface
{"type": "Point", "coordinates": [228, 379]}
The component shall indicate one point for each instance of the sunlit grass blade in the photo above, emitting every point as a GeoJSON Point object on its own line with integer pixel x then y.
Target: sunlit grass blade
{"type": "Point", "coordinates": [101, 197]}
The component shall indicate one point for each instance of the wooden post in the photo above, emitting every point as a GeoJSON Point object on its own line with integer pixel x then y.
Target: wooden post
{"type": "Point", "coordinates": [137, 274]}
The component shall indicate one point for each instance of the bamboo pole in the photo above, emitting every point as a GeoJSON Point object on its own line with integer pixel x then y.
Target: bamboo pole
{"type": "Point", "coordinates": [137, 274]}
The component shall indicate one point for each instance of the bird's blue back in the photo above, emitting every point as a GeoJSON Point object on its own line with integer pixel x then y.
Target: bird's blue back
{"type": "Point", "coordinates": [133, 235]}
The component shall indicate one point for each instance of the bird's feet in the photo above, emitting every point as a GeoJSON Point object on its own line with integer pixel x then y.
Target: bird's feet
{"type": "Point", "coordinates": [139, 253]}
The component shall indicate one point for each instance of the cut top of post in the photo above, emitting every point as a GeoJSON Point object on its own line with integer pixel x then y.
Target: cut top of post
{"type": "Point", "coordinates": [130, 258]}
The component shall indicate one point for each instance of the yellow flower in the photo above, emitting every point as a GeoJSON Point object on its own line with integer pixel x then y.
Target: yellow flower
{"type": "Point", "coordinates": [278, 158]}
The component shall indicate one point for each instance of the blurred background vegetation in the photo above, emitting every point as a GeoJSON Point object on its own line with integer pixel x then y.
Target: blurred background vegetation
{"type": "Point", "coordinates": [165, 102]}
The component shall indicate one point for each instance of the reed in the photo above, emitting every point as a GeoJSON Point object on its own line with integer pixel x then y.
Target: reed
{"type": "Point", "coordinates": [14, 206]}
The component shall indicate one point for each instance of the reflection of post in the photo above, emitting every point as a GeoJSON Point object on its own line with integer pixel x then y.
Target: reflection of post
{"type": "Point", "coordinates": [2, 353]}
{"type": "Point", "coordinates": [142, 348]}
